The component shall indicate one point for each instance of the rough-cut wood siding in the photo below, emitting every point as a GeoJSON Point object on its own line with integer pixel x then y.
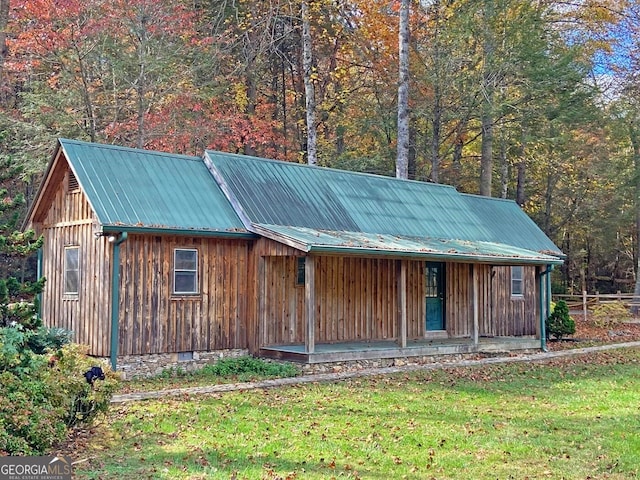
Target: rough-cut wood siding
{"type": "Point", "coordinates": [458, 299]}
{"type": "Point", "coordinates": [153, 320]}
{"type": "Point", "coordinates": [256, 288]}
{"type": "Point", "coordinates": [515, 315]}
{"type": "Point", "coordinates": [356, 299]}
{"type": "Point", "coordinates": [486, 323]}
{"type": "Point", "coordinates": [68, 222]}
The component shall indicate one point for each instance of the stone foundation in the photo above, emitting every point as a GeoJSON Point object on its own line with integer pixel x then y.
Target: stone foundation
{"type": "Point", "coordinates": [140, 366]}
{"type": "Point", "coordinates": [355, 365]}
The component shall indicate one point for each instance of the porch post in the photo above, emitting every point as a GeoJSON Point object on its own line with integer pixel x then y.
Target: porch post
{"type": "Point", "coordinates": [401, 276]}
{"type": "Point", "coordinates": [260, 335]}
{"type": "Point", "coordinates": [474, 267]}
{"type": "Point", "coordinates": [310, 303]}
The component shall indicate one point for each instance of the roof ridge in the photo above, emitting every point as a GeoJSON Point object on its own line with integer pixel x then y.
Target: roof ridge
{"type": "Point", "coordinates": [327, 169]}
{"type": "Point", "coordinates": [109, 146]}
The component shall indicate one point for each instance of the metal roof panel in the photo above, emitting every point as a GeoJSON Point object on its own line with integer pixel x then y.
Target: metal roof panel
{"type": "Point", "coordinates": [286, 194]}
{"type": "Point", "coordinates": [393, 245]}
{"type": "Point", "coordinates": [148, 189]}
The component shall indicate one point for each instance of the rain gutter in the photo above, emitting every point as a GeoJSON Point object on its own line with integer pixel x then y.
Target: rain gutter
{"type": "Point", "coordinates": [494, 260]}
{"type": "Point", "coordinates": [172, 231]}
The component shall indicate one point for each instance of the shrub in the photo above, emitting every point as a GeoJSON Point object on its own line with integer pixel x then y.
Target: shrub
{"type": "Point", "coordinates": [43, 394]}
{"type": "Point", "coordinates": [81, 400]}
{"type": "Point", "coordinates": [610, 314]}
{"type": "Point", "coordinates": [560, 323]}
{"type": "Point", "coordinates": [248, 367]}
{"type": "Point", "coordinates": [30, 421]}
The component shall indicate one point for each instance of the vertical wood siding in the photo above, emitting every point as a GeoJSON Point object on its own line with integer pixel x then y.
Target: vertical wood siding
{"type": "Point", "coordinates": [514, 316]}
{"type": "Point", "coordinates": [151, 319]}
{"type": "Point", "coordinates": [69, 222]}
{"type": "Point", "coordinates": [154, 320]}
{"type": "Point", "coordinates": [356, 299]}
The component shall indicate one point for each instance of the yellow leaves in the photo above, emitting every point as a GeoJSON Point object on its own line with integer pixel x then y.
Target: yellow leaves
{"type": "Point", "coordinates": [240, 97]}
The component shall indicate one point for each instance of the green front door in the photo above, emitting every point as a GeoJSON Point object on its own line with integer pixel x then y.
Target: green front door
{"type": "Point", "coordinates": [435, 296]}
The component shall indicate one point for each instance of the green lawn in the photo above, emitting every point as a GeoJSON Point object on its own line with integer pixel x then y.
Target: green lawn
{"type": "Point", "coordinates": [576, 418]}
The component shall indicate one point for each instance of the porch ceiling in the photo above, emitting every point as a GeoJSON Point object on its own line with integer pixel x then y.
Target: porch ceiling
{"type": "Point", "coordinates": [354, 243]}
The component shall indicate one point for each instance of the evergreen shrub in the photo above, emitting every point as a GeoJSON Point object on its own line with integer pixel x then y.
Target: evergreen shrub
{"type": "Point", "coordinates": [560, 324]}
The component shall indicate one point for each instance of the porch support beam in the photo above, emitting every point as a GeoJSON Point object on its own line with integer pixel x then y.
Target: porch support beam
{"type": "Point", "coordinates": [310, 303]}
{"type": "Point", "coordinates": [401, 276]}
{"type": "Point", "coordinates": [476, 282]}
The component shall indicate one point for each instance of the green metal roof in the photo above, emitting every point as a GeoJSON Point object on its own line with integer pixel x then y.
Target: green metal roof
{"type": "Point", "coordinates": [140, 190]}
{"type": "Point", "coordinates": [315, 203]}
{"type": "Point", "coordinates": [312, 240]}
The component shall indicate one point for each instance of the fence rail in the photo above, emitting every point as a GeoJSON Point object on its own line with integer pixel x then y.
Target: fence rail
{"type": "Point", "coordinates": [585, 302]}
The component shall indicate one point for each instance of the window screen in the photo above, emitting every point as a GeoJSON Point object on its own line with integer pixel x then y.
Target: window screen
{"type": "Point", "coordinates": [185, 271]}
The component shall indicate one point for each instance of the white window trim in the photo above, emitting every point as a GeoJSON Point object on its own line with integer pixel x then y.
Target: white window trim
{"type": "Point", "coordinates": [175, 270]}
{"type": "Point", "coordinates": [67, 269]}
{"type": "Point", "coordinates": [520, 280]}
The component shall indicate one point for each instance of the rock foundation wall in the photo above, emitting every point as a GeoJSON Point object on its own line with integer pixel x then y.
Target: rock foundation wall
{"type": "Point", "coordinates": [141, 366]}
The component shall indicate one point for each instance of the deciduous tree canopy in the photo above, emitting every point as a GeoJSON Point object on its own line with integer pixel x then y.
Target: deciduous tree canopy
{"type": "Point", "coordinates": [504, 97]}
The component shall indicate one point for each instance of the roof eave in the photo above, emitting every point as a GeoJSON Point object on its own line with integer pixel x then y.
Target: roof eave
{"type": "Point", "coordinates": [457, 257]}
{"type": "Point", "coordinates": [106, 229]}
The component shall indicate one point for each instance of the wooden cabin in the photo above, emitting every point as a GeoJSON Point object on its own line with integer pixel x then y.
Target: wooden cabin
{"type": "Point", "coordinates": [155, 256]}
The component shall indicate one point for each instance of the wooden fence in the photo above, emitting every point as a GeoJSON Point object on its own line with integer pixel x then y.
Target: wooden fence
{"type": "Point", "coordinates": [584, 302]}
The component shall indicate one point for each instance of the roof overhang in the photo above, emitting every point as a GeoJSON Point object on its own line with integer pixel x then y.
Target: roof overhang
{"type": "Point", "coordinates": [360, 243]}
{"type": "Point", "coordinates": [150, 230]}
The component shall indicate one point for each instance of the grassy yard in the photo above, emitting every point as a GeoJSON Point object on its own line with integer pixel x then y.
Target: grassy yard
{"type": "Point", "coordinates": [576, 418]}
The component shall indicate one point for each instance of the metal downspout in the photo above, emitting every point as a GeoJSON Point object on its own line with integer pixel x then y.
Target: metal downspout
{"type": "Point", "coordinates": [544, 306]}
{"type": "Point", "coordinates": [115, 297]}
{"type": "Point", "coordinates": [38, 277]}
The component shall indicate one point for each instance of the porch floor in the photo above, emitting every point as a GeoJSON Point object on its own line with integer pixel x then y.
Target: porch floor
{"type": "Point", "coordinates": [349, 351]}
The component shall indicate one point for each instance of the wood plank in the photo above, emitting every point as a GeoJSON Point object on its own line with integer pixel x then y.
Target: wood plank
{"type": "Point", "coordinates": [402, 301]}
{"type": "Point", "coordinates": [262, 302]}
{"type": "Point", "coordinates": [310, 301]}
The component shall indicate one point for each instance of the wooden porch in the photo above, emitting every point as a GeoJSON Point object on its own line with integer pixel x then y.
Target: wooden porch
{"type": "Point", "coordinates": [350, 351]}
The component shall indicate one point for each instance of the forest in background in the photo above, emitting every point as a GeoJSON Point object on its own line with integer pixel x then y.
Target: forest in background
{"type": "Point", "coordinates": [531, 100]}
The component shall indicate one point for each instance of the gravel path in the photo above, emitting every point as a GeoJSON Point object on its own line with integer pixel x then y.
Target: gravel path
{"type": "Point", "coordinates": [331, 377]}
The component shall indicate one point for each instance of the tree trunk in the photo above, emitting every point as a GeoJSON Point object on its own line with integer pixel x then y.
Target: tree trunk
{"type": "Point", "coordinates": [4, 21]}
{"type": "Point", "coordinates": [309, 89]}
{"type": "Point", "coordinates": [486, 155]}
{"type": "Point", "coordinates": [504, 170]}
{"type": "Point", "coordinates": [402, 161]}
{"type": "Point", "coordinates": [488, 89]}
{"type": "Point", "coordinates": [436, 125]}
{"type": "Point", "coordinates": [522, 171]}
{"type": "Point", "coordinates": [635, 142]}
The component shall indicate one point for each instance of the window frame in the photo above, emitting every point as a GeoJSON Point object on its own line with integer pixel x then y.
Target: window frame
{"type": "Point", "coordinates": [183, 271]}
{"type": "Point", "coordinates": [67, 270]}
{"type": "Point", "coordinates": [301, 271]}
{"type": "Point", "coordinates": [517, 281]}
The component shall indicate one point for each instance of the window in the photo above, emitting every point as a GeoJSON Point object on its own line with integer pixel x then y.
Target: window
{"type": "Point", "coordinates": [71, 270]}
{"type": "Point", "coordinates": [516, 281]}
{"type": "Point", "coordinates": [185, 271]}
{"type": "Point", "coordinates": [300, 266]}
